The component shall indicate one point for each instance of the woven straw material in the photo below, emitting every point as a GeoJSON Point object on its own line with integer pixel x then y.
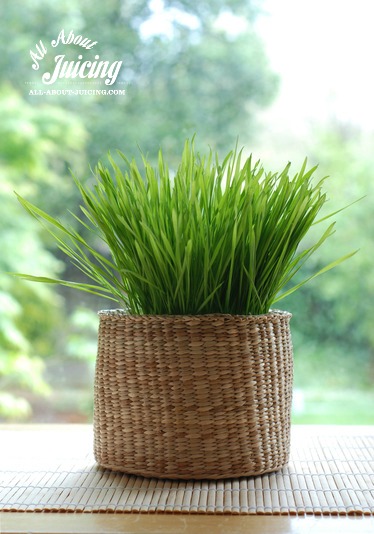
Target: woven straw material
{"type": "Point", "coordinates": [193, 396]}
{"type": "Point", "coordinates": [330, 472]}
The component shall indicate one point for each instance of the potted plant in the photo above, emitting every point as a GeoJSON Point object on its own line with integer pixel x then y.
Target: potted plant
{"type": "Point", "coordinates": [194, 372]}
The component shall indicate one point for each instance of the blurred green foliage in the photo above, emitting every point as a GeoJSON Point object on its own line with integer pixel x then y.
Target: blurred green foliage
{"type": "Point", "coordinates": [333, 334]}
{"type": "Point", "coordinates": [322, 406]}
{"type": "Point", "coordinates": [195, 75]}
{"type": "Point", "coordinates": [30, 160]}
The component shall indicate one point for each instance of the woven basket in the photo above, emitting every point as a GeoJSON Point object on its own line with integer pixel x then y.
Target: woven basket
{"type": "Point", "coordinates": [186, 397]}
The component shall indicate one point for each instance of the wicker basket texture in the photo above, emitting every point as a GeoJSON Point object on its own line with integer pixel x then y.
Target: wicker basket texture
{"type": "Point", "coordinates": [193, 397]}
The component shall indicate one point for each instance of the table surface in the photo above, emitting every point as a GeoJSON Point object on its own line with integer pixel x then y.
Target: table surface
{"type": "Point", "coordinates": [24, 436]}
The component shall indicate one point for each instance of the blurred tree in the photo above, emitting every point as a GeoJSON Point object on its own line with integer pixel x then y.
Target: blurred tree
{"type": "Point", "coordinates": [190, 67]}
{"type": "Point", "coordinates": [332, 317]}
{"type": "Point", "coordinates": [33, 146]}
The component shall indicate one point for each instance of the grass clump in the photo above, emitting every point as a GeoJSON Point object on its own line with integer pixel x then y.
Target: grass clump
{"type": "Point", "coordinates": [217, 237]}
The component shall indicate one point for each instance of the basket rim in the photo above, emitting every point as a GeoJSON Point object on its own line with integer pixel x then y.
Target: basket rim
{"type": "Point", "coordinates": [120, 313]}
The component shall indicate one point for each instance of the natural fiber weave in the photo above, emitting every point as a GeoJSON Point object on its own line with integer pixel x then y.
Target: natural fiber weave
{"type": "Point", "coordinates": [331, 472]}
{"type": "Point", "coordinates": [193, 396]}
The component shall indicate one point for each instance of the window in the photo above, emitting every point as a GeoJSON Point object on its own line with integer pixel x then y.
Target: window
{"type": "Point", "coordinates": [284, 77]}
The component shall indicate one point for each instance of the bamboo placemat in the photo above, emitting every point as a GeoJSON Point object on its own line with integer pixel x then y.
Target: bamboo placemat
{"type": "Point", "coordinates": [331, 472]}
